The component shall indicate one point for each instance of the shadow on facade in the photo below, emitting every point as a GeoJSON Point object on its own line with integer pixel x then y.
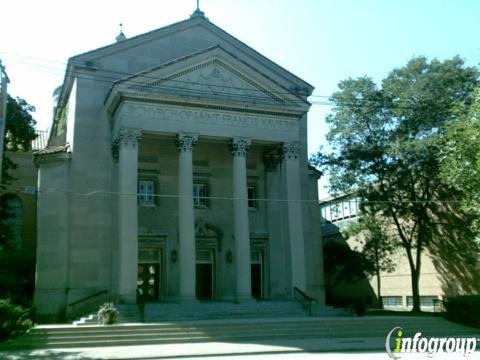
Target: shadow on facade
{"type": "Point", "coordinates": [354, 288]}
{"type": "Point", "coordinates": [456, 255]}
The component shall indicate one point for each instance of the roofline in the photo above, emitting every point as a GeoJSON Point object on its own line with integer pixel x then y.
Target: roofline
{"type": "Point", "coordinates": [264, 57]}
{"type": "Point", "coordinates": [70, 69]}
{"type": "Point", "coordinates": [206, 21]}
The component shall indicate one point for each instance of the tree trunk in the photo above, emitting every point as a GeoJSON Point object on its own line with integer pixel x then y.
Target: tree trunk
{"type": "Point", "coordinates": [379, 287]}
{"type": "Point", "coordinates": [377, 271]}
{"type": "Point", "coordinates": [416, 290]}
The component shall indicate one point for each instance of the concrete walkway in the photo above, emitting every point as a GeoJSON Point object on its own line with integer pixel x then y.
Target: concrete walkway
{"type": "Point", "coordinates": [368, 336]}
{"type": "Point", "coordinates": [292, 346]}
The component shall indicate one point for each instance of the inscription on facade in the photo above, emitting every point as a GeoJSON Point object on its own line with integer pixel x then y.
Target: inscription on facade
{"type": "Point", "coordinates": [209, 117]}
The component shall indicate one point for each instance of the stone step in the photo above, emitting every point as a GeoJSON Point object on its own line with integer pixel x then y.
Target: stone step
{"type": "Point", "coordinates": [127, 314]}
{"type": "Point", "coordinates": [165, 311]}
{"type": "Point", "coordinates": [325, 311]}
{"type": "Point", "coordinates": [230, 330]}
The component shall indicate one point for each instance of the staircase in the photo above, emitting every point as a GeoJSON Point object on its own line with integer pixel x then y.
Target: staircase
{"type": "Point", "coordinates": [156, 312]}
{"type": "Point", "coordinates": [127, 314]}
{"type": "Point", "coordinates": [253, 331]}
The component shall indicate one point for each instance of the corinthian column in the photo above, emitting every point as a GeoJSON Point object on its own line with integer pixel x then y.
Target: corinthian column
{"type": "Point", "coordinates": [186, 222]}
{"type": "Point", "coordinates": [295, 226]}
{"type": "Point", "coordinates": [239, 148]}
{"type": "Point", "coordinates": [127, 144]}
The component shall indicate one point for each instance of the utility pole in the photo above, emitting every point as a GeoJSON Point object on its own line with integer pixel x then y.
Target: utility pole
{"type": "Point", "coordinates": [3, 111]}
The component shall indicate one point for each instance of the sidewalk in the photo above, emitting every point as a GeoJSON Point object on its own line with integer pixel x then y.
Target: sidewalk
{"type": "Point", "coordinates": [203, 349]}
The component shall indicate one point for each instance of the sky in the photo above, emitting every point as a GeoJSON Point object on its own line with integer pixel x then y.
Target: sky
{"type": "Point", "coordinates": [321, 41]}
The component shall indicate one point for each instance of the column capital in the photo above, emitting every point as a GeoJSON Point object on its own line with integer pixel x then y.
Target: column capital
{"type": "Point", "coordinates": [290, 150]}
{"type": "Point", "coordinates": [127, 137]}
{"type": "Point", "coordinates": [186, 141]}
{"type": "Point", "coordinates": [239, 146]}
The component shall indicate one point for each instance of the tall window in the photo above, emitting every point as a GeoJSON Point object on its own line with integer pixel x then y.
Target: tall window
{"type": "Point", "coordinates": [146, 192]}
{"type": "Point", "coordinates": [252, 196]}
{"type": "Point", "coordinates": [200, 193]}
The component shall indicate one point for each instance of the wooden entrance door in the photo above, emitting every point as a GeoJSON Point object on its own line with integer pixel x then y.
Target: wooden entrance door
{"type": "Point", "coordinates": [148, 281]}
{"type": "Point", "coordinates": [204, 275]}
{"type": "Point", "coordinates": [256, 273]}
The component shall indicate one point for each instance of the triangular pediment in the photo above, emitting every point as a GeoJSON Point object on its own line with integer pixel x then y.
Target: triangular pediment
{"type": "Point", "coordinates": [193, 34]}
{"type": "Point", "coordinates": [213, 75]}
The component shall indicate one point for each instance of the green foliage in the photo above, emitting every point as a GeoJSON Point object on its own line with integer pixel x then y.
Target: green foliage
{"type": "Point", "coordinates": [20, 125]}
{"type": "Point", "coordinates": [464, 309]}
{"type": "Point", "coordinates": [19, 132]}
{"type": "Point", "coordinates": [386, 143]}
{"type": "Point", "coordinates": [343, 265]}
{"type": "Point", "coordinates": [375, 245]}
{"type": "Point", "coordinates": [17, 276]}
{"type": "Point", "coordinates": [14, 320]}
{"type": "Point", "coordinates": [16, 270]}
{"type": "Point", "coordinates": [460, 167]}
{"type": "Point", "coordinates": [5, 228]}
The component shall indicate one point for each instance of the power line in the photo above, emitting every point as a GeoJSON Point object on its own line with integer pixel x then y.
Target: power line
{"type": "Point", "coordinates": [31, 190]}
{"type": "Point", "coordinates": [190, 92]}
{"type": "Point", "coordinates": [399, 104]}
{"type": "Point", "coordinates": [126, 74]}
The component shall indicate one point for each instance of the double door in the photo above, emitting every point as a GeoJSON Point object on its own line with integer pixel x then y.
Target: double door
{"type": "Point", "coordinates": [257, 274]}
{"type": "Point", "coordinates": [205, 275]}
{"type": "Point", "coordinates": [149, 275]}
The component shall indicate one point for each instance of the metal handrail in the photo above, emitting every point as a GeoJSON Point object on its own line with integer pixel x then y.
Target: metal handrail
{"type": "Point", "coordinates": [305, 300]}
{"type": "Point", "coordinates": [88, 297]}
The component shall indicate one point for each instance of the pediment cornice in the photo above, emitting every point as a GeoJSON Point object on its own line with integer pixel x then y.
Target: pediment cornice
{"type": "Point", "coordinates": [212, 76]}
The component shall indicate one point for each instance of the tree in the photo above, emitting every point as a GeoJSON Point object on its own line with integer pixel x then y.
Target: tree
{"type": "Point", "coordinates": [386, 143]}
{"type": "Point", "coordinates": [460, 166]}
{"type": "Point", "coordinates": [342, 265]}
{"type": "Point", "coordinates": [15, 269]}
{"type": "Point", "coordinates": [375, 246]}
{"type": "Point", "coordinates": [19, 132]}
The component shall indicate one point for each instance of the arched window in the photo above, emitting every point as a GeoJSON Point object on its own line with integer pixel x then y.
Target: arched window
{"type": "Point", "coordinates": [13, 204]}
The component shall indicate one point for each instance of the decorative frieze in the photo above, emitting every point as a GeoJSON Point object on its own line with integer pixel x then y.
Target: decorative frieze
{"type": "Point", "coordinates": [209, 117]}
{"type": "Point", "coordinates": [186, 142]}
{"type": "Point", "coordinates": [290, 150]}
{"type": "Point", "coordinates": [239, 146]}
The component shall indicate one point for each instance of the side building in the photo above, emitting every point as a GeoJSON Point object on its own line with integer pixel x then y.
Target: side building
{"type": "Point", "coordinates": [20, 198]}
{"type": "Point", "coordinates": [337, 214]}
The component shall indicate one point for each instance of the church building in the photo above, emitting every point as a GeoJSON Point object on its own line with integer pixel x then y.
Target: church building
{"type": "Point", "coordinates": [177, 170]}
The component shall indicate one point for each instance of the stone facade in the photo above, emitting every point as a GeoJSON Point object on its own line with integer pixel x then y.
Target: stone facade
{"type": "Point", "coordinates": [177, 171]}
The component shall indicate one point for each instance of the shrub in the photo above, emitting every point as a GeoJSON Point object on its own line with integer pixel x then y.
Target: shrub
{"type": "Point", "coordinates": [464, 310]}
{"type": "Point", "coordinates": [14, 320]}
{"type": "Point", "coordinates": [359, 309]}
{"type": "Point", "coordinates": [107, 314]}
